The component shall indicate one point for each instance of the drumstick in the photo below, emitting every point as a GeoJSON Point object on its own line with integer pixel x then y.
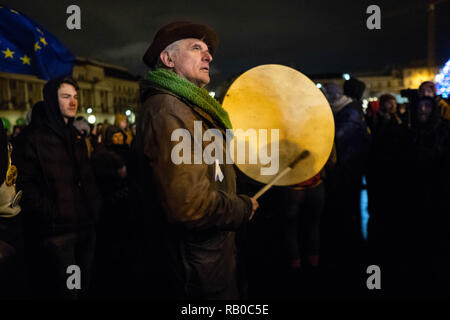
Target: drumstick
{"type": "Point", "coordinates": [291, 166]}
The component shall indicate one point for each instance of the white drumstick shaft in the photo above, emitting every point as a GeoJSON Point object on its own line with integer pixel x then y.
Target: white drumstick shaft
{"type": "Point", "coordinates": [302, 156]}
{"type": "Point", "coordinates": [271, 183]}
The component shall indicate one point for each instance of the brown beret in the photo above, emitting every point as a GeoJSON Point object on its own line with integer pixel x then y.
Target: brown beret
{"type": "Point", "coordinates": [176, 31]}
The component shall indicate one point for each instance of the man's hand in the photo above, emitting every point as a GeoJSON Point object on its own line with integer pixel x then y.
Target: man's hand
{"type": "Point", "coordinates": [255, 206]}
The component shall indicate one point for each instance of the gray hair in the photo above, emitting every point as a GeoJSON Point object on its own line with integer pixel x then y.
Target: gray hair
{"type": "Point", "coordinates": [172, 49]}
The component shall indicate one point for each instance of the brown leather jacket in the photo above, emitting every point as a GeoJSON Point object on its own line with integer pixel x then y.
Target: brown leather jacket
{"type": "Point", "coordinates": [198, 214]}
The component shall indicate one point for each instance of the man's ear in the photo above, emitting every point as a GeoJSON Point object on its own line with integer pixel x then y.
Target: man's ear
{"type": "Point", "coordinates": [166, 59]}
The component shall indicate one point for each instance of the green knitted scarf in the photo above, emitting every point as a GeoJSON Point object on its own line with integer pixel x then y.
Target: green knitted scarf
{"type": "Point", "coordinates": [169, 80]}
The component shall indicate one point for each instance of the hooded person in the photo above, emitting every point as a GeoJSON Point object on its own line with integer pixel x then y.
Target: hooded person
{"type": "Point", "coordinates": [351, 131]}
{"type": "Point", "coordinates": [428, 89]}
{"type": "Point", "coordinates": [345, 183]}
{"type": "Point", "coordinates": [60, 197]}
{"type": "Point", "coordinates": [192, 208]}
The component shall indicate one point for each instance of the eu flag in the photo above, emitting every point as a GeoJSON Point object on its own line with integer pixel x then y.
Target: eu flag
{"type": "Point", "coordinates": [25, 47]}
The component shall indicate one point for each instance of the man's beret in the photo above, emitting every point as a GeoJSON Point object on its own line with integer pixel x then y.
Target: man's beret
{"type": "Point", "coordinates": [176, 31]}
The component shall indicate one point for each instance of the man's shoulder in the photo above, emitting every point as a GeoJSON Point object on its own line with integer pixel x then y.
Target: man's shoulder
{"type": "Point", "coordinates": [163, 104]}
{"type": "Point", "coordinates": [352, 107]}
{"type": "Point", "coordinates": [37, 135]}
{"type": "Point", "coordinates": [353, 112]}
{"type": "Point", "coordinates": [28, 133]}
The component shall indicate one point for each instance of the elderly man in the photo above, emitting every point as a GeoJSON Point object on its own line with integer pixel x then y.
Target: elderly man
{"type": "Point", "coordinates": [194, 206]}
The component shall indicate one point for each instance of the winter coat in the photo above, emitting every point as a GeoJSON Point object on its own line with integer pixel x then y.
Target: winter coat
{"type": "Point", "coordinates": [59, 189]}
{"type": "Point", "coordinates": [352, 142]}
{"type": "Point", "coordinates": [195, 214]}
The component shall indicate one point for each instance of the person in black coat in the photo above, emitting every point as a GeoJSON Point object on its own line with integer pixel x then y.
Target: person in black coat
{"type": "Point", "coordinates": [115, 246]}
{"type": "Point", "coordinates": [344, 183]}
{"type": "Point", "coordinates": [60, 197]}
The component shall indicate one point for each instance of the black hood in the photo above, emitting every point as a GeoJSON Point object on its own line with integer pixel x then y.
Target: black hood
{"type": "Point", "coordinates": [112, 130]}
{"type": "Point", "coordinates": [38, 114]}
{"type": "Point", "coordinates": [53, 116]}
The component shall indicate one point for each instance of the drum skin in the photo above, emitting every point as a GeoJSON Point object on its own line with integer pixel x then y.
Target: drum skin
{"type": "Point", "coordinates": [278, 97]}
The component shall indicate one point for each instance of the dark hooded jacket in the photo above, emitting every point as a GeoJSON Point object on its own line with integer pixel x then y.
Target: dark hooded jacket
{"type": "Point", "coordinates": [352, 143]}
{"type": "Point", "coordinates": [59, 188]}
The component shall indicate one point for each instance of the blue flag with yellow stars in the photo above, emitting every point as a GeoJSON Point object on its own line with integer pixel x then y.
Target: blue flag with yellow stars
{"type": "Point", "coordinates": [25, 47]}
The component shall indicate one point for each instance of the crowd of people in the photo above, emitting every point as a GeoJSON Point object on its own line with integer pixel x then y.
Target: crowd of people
{"type": "Point", "coordinates": [76, 201]}
{"type": "Point", "coordinates": [108, 199]}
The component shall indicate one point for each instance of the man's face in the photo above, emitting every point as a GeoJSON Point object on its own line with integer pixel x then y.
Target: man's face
{"type": "Point", "coordinates": [117, 138]}
{"type": "Point", "coordinates": [426, 91]}
{"type": "Point", "coordinates": [424, 111]}
{"type": "Point", "coordinates": [192, 61]}
{"type": "Point", "coordinates": [68, 100]}
{"type": "Point", "coordinates": [390, 106]}
{"type": "Point", "coordinates": [123, 124]}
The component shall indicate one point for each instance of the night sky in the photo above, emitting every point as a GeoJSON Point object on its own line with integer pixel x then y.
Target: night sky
{"type": "Point", "coordinates": [313, 36]}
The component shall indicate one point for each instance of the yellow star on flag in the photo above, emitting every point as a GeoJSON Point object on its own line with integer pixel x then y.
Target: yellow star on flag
{"type": "Point", "coordinates": [13, 11]}
{"type": "Point", "coordinates": [8, 53]}
{"type": "Point", "coordinates": [36, 46]}
{"type": "Point", "coordinates": [25, 60]}
{"type": "Point", "coordinates": [43, 41]}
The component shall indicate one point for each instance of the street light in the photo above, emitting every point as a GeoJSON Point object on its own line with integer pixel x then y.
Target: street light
{"type": "Point", "coordinates": [89, 110]}
{"type": "Point", "coordinates": [92, 119]}
{"type": "Point", "coordinates": [346, 76]}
